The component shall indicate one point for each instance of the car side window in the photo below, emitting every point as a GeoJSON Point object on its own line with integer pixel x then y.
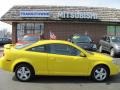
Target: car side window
{"type": "Point", "coordinates": [73, 51]}
{"type": "Point", "coordinates": [41, 48]}
{"type": "Point", "coordinates": [63, 49]}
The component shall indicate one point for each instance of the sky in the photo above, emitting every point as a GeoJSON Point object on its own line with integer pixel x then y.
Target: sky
{"type": "Point", "coordinates": [5, 5]}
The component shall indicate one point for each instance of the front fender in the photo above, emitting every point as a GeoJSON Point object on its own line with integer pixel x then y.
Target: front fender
{"type": "Point", "coordinates": [100, 63]}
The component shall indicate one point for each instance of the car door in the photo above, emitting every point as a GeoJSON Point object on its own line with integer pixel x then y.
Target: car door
{"type": "Point", "coordinates": [65, 60]}
{"type": "Point", "coordinates": [102, 41]}
{"type": "Point", "coordinates": [106, 43]}
{"type": "Point", "coordinates": [38, 57]}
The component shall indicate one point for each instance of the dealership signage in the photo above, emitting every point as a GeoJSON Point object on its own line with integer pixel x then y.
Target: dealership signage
{"type": "Point", "coordinates": [77, 15]}
{"type": "Point", "coordinates": [34, 14]}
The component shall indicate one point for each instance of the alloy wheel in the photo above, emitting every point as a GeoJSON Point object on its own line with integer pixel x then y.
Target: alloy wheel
{"type": "Point", "coordinates": [24, 72]}
{"type": "Point", "coordinates": [100, 74]}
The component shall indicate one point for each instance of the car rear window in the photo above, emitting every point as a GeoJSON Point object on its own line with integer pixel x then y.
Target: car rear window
{"type": "Point", "coordinates": [22, 46]}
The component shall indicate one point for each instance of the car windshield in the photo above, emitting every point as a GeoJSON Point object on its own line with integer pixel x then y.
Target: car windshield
{"type": "Point", "coordinates": [82, 39]}
{"type": "Point", "coordinates": [115, 39]}
{"type": "Point", "coordinates": [30, 38]}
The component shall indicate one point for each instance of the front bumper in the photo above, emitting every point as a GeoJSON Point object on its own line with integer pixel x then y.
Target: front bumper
{"type": "Point", "coordinates": [115, 69]}
{"type": "Point", "coordinates": [117, 51]}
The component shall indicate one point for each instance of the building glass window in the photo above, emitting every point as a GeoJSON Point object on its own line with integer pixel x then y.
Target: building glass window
{"type": "Point", "coordinates": [29, 28]}
{"type": "Point", "coordinates": [118, 30]}
{"type": "Point", "coordinates": [113, 30]}
{"type": "Point", "coordinates": [110, 30]}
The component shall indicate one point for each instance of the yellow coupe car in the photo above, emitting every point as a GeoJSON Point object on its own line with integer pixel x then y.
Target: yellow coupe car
{"type": "Point", "coordinates": [56, 57]}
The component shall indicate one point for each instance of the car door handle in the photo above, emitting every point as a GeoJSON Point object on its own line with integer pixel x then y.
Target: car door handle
{"type": "Point", "coordinates": [59, 60]}
{"type": "Point", "coordinates": [52, 58]}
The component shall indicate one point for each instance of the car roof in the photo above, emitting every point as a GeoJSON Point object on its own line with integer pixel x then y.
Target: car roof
{"type": "Point", "coordinates": [52, 41]}
{"type": "Point", "coordinates": [42, 42]}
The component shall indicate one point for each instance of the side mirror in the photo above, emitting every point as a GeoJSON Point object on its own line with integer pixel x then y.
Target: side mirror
{"type": "Point", "coordinates": [82, 54]}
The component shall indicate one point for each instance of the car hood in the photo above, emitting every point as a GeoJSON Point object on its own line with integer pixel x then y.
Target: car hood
{"type": "Point", "coordinates": [116, 43]}
{"type": "Point", "coordinates": [99, 56]}
{"type": "Point", "coordinates": [85, 45]}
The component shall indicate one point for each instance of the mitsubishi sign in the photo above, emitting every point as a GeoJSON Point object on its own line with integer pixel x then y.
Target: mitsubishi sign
{"type": "Point", "coordinates": [77, 15]}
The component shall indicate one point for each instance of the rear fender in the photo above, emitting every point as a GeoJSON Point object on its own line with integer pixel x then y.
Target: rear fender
{"type": "Point", "coordinates": [20, 60]}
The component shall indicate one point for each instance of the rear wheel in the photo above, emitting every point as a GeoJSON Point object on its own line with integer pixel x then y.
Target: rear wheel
{"type": "Point", "coordinates": [24, 72]}
{"type": "Point", "coordinates": [100, 73]}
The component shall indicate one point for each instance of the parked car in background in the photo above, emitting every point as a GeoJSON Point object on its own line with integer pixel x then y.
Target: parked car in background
{"type": "Point", "coordinates": [110, 44]}
{"type": "Point", "coordinates": [5, 41]}
{"type": "Point", "coordinates": [84, 41]}
{"type": "Point", "coordinates": [29, 38]}
{"type": "Point", "coordinates": [56, 57]}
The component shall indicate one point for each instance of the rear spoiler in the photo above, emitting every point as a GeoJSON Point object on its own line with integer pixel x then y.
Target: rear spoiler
{"type": "Point", "coordinates": [8, 46]}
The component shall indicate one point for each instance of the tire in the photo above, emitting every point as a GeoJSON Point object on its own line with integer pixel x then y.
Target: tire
{"type": "Point", "coordinates": [100, 73]}
{"type": "Point", "coordinates": [24, 72]}
{"type": "Point", "coordinates": [112, 52]}
{"type": "Point", "coordinates": [100, 49]}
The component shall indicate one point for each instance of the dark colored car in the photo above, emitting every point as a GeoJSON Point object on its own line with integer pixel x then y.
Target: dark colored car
{"type": "Point", "coordinates": [84, 41]}
{"type": "Point", "coordinates": [29, 38]}
{"type": "Point", "coordinates": [5, 41]}
{"type": "Point", "coordinates": [110, 44]}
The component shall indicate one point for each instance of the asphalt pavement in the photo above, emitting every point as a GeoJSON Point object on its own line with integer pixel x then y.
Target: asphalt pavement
{"type": "Point", "coordinates": [9, 82]}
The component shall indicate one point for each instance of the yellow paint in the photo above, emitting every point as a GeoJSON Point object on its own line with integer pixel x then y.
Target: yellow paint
{"type": "Point", "coordinates": [53, 64]}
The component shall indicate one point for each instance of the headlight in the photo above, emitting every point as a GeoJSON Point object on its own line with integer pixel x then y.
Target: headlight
{"type": "Point", "coordinates": [117, 46]}
{"type": "Point", "coordinates": [94, 46]}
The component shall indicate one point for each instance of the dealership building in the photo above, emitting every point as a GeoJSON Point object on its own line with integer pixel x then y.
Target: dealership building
{"type": "Point", "coordinates": [63, 21]}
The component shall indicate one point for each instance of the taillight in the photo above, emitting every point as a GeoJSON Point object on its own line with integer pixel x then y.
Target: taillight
{"type": "Point", "coordinates": [1, 54]}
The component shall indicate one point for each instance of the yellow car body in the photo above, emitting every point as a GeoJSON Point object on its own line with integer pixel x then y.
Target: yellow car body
{"type": "Point", "coordinates": [46, 63]}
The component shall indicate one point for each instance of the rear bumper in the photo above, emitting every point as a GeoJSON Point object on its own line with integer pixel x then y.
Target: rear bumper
{"type": "Point", "coordinates": [4, 64]}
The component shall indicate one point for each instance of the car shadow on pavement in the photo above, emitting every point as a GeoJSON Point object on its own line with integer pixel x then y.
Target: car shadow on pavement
{"type": "Point", "coordinates": [70, 79]}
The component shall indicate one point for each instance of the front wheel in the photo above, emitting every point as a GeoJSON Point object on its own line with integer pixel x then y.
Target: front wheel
{"type": "Point", "coordinates": [100, 49]}
{"type": "Point", "coordinates": [100, 73]}
{"type": "Point", "coordinates": [24, 72]}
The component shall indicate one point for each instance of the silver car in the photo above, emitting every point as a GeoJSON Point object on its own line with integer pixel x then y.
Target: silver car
{"type": "Point", "coordinates": [110, 44]}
